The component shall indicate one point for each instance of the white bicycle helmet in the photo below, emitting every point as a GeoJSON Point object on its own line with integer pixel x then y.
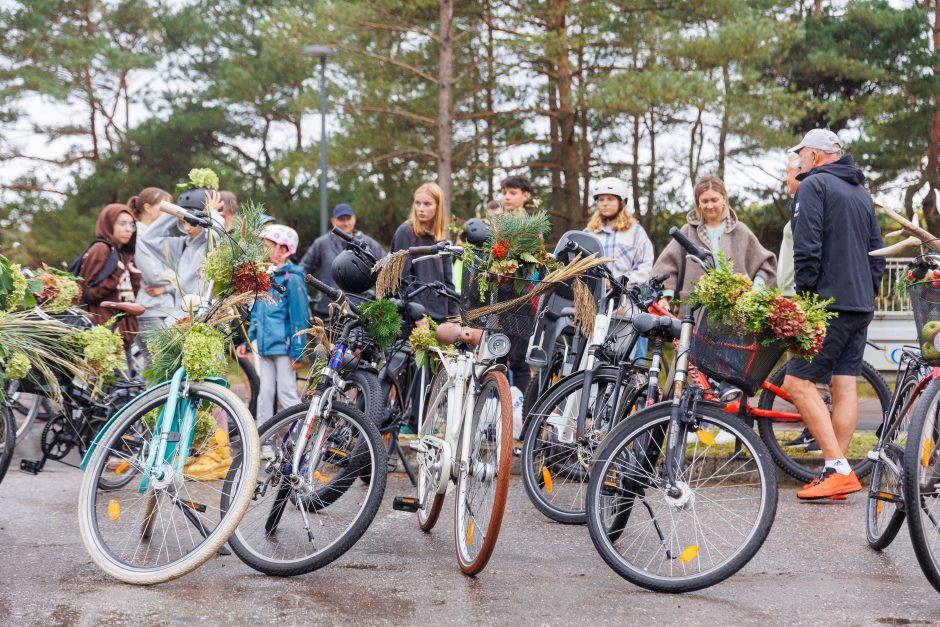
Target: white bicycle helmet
{"type": "Point", "coordinates": [613, 186]}
{"type": "Point", "coordinates": [283, 235]}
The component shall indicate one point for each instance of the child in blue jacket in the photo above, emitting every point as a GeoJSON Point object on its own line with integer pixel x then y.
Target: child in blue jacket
{"type": "Point", "coordinates": [275, 324]}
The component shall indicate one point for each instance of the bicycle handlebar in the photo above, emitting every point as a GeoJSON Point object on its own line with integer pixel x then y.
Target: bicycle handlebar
{"type": "Point", "coordinates": [330, 292]}
{"type": "Point", "coordinates": [686, 243]}
{"type": "Point", "coordinates": [183, 214]}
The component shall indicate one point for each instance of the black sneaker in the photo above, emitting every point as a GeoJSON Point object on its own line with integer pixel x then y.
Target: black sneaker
{"type": "Point", "coordinates": [804, 440]}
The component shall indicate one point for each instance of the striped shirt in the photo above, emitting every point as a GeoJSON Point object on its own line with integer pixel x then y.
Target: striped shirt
{"type": "Point", "coordinates": [631, 251]}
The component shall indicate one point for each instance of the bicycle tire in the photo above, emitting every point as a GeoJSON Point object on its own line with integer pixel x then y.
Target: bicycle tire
{"type": "Point", "coordinates": [810, 469]}
{"type": "Point", "coordinates": [254, 382]}
{"type": "Point", "coordinates": [14, 397]}
{"type": "Point", "coordinates": [434, 423]}
{"type": "Point", "coordinates": [544, 453]}
{"type": "Point", "coordinates": [229, 515]}
{"type": "Point", "coordinates": [273, 522]}
{"type": "Point", "coordinates": [881, 534]}
{"type": "Point", "coordinates": [473, 562]}
{"type": "Point", "coordinates": [7, 438]}
{"type": "Point", "coordinates": [921, 456]}
{"type": "Point", "coordinates": [638, 473]}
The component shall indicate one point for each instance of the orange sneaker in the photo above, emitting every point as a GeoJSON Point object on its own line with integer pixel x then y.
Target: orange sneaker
{"type": "Point", "coordinates": [835, 497]}
{"type": "Point", "coordinates": [830, 484]}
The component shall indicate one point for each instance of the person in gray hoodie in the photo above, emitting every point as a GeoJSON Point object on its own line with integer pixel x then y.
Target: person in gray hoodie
{"type": "Point", "coordinates": [185, 254]}
{"type": "Point", "coordinates": [156, 292]}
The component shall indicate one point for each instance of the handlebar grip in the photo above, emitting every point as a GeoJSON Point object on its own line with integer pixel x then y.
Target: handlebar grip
{"type": "Point", "coordinates": [686, 243]}
{"type": "Point", "coordinates": [421, 251]}
{"type": "Point", "coordinates": [659, 278]}
{"type": "Point", "coordinates": [181, 214]}
{"type": "Point", "coordinates": [331, 292]}
{"type": "Point", "coordinates": [342, 234]}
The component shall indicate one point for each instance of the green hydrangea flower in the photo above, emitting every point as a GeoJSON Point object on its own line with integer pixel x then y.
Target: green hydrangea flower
{"type": "Point", "coordinates": [12, 300]}
{"type": "Point", "coordinates": [203, 352]}
{"type": "Point", "coordinates": [204, 177]}
{"type": "Point", "coordinates": [17, 366]}
{"type": "Point", "coordinates": [102, 348]}
{"type": "Point", "coordinates": [65, 297]}
{"type": "Point", "coordinates": [219, 265]}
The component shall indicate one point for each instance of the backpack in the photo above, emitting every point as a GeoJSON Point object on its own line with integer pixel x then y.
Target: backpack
{"type": "Point", "coordinates": [110, 265]}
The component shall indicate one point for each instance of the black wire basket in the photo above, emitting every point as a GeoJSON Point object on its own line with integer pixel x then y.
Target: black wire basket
{"type": "Point", "coordinates": [742, 360]}
{"type": "Point", "coordinates": [518, 321]}
{"type": "Point", "coordinates": [925, 301]}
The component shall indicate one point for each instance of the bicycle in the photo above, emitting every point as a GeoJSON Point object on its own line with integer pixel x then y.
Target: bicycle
{"type": "Point", "coordinates": [173, 516]}
{"type": "Point", "coordinates": [705, 518]}
{"type": "Point", "coordinates": [465, 433]}
{"type": "Point", "coordinates": [312, 455]}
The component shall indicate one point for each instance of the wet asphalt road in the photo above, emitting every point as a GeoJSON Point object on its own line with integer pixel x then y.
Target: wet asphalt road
{"type": "Point", "coordinates": [815, 569]}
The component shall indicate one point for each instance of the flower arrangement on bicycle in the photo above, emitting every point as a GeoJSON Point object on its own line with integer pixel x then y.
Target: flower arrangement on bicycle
{"type": "Point", "coordinates": [798, 323]}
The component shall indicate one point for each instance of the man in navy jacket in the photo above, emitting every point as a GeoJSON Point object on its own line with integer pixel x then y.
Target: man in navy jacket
{"type": "Point", "coordinates": [834, 229]}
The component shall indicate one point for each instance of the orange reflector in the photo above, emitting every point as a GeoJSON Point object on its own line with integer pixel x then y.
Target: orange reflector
{"type": "Point", "coordinates": [705, 438]}
{"type": "Point", "coordinates": [689, 554]}
{"type": "Point", "coordinates": [470, 529]}
{"type": "Point", "coordinates": [122, 467]}
{"type": "Point", "coordinates": [925, 457]}
{"type": "Point", "coordinates": [221, 437]}
{"type": "Point", "coordinates": [547, 478]}
{"type": "Point", "coordinates": [880, 505]}
{"type": "Point", "coordinates": [319, 477]}
{"type": "Point", "coordinates": [114, 510]}
{"type": "Point", "coordinates": [339, 452]}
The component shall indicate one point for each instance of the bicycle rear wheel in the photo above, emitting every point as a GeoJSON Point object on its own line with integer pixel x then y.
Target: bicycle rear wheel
{"type": "Point", "coordinates": [483, 482]}
{"type": "Point", "coordinates": [554, 464]}
{"type": "Point", "coordinates": [670, 541]}
{"type": "Point", "coordinates": [793, 448]}
{"type": "Point", "coordinates": [165, 524]}
{"type": "Point", "coordinates": [884, 514]}
{"type": "Point", "coordinates": [922, 483]}
{"type": "Point", "coordinates": [290, 527]}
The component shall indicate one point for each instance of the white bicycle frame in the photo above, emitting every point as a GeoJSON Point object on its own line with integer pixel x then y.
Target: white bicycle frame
{"type": "Point", "coordinates": [463, 368]}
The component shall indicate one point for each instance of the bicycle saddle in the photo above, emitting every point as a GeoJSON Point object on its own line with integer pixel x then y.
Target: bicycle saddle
{"type": "Point", "coordinates": [131, 309]}
{"type": "Point", "coordinates": [451, 332]}
{"type": "Point", "coordinates": [646, 323]}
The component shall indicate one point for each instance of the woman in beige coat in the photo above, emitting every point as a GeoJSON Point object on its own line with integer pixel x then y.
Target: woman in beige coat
{"type": "Point", "coordinates": [712, 224]}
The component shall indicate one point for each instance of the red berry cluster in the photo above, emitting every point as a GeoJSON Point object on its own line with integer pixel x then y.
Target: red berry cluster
{"type": "Point", "coordinates": [248, 278]}
{"type": "Point", "coordinates": [500, 249]}
{"type": "Point", "coordinates": [785, 317]}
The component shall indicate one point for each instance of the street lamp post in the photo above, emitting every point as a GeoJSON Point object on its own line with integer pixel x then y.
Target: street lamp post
{"type": "Point", "coordinates": [322, 52]}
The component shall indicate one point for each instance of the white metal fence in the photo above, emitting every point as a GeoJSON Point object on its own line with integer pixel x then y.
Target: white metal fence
{"type": "Point", "coordinates": [889, 298]}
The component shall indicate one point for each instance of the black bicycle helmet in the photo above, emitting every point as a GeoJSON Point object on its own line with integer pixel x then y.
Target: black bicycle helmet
{"type": "Point", "coordinates": [352, 272]}
{"type": "Point", "coordinates": [476, 231]}
{"type": "Point", "coordinates": [193, 199]}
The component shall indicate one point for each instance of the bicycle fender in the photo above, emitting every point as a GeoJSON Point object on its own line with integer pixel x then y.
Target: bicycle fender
{"type": "Point", "coordinates": [107, 425]}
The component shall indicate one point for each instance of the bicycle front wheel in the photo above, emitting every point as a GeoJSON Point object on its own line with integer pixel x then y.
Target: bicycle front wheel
{"type": "Point", "coordinates": [922, 483]}
{"type": "Point", "coordinates": [293, 526]}
{"type": "Point", "coordinates": [701, 530]}
{"type": "Point", "coordinates": [7, 438]}
{"type": "Point", "coordinates": [431, 462]}
{"type": "Point", "coordinates": [167, 522]}
{"type": "Point", "coordinates": [884, 514]}
{"type": "Point", "coordinates": [483, 482]}
{"type": "Point", "coordinates": [793, 447]}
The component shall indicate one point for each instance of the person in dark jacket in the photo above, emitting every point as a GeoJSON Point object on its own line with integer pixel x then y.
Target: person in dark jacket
{"type": "Point", "coordinates": [425, 228]}
{"type": "Point", "coordinates": [117, 226]}
{"type": "Point", "coordinates": [318, 259]}
{"type": "Point", "coordinates": [834, 229]}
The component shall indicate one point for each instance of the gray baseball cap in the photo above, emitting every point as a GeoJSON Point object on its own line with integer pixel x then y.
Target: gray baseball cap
{"type": "Point", "coordinates": [819, 139]}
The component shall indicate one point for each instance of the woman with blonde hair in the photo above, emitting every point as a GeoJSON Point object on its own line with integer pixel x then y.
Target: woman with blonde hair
{"type": "Point", "coordinates": [624, 240]}
{"type": "Point", "coordinates": [714, 225]}
{"type": "Point", "coordinates": [424, 228]}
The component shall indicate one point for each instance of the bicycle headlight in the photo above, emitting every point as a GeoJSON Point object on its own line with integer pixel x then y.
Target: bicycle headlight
{"type": "Point", "coordinates": [497, 344]}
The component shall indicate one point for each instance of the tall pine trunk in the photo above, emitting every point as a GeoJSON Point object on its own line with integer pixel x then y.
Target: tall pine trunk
{"type": "Point", "coordinates": [445, 103]}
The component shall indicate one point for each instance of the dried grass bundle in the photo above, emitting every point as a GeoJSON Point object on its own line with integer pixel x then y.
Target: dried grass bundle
{"type": "Point", "coordinates": [45, 343]}
{"type": "Point", "coordinates": [390, 270]}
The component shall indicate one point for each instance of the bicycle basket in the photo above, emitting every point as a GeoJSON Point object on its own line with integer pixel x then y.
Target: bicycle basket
{"type": "Point", "coordinates": [925, 301]}
{"type": "Point", "coordinates": [725, 355]}
{"type": "Point", "coordinates": [516, 320]}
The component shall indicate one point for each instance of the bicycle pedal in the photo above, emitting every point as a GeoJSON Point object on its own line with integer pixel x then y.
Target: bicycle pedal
{"type": "Point", "coordinates": [32, 467]}
{"type": "Point", "coordinates": [517, 451]}
{"type": "Point", "coordinates": [405, 504]}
